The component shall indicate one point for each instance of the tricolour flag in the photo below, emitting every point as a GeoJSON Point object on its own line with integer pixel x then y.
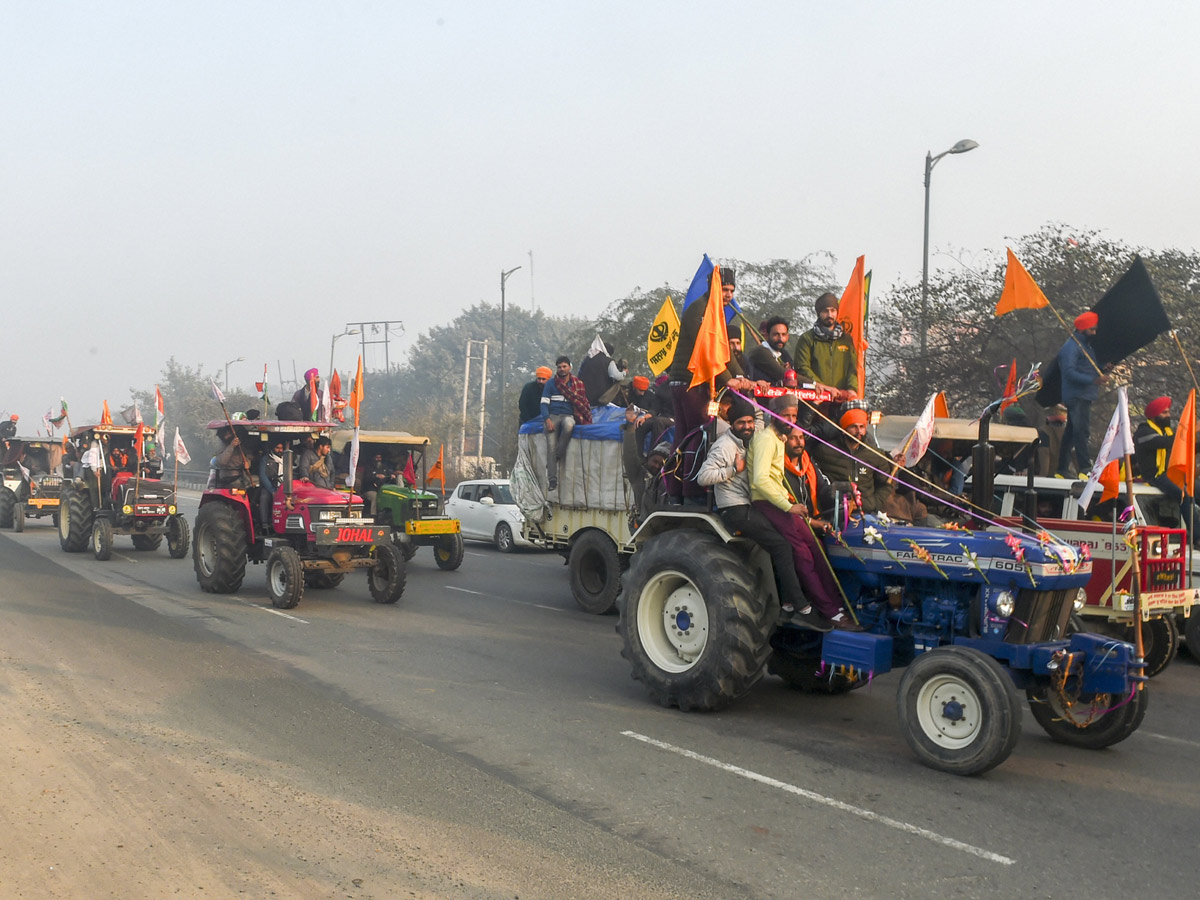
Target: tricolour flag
{"type": "Point", "coordinates": [918, 439]}
{"type": "Point", "coordinates": [1181, 464]}
{"type": "Point", "coordinates": [852, 316]}
{"type": "Point", "coordinates": [314, 397]}
{"type": "Point", "coordinates": [181, 453]}
{"type": "Point", "coordinates": [1117, 443]}
{"type": "Point", "coordinates": [1020, 290]}
{"type": "Point", "coordinates": [710, 356]}
{"type": "Point", "coordinates": [159, 409]}
{"type": "Point", "coordinates": [664, 335]}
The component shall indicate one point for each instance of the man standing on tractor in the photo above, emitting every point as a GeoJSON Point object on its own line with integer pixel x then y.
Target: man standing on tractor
{"type": "Point", "coordinates": [1081, 382]}
{"type": "Point", "coordinates": [769, 494]}
{"type": "Point", "coordinates": [564, 405]}
{"type": "Point", "coordinates": [825, 356]}
{"type": "Point", "coordinates": [724, 470]}
{"type": "Point", "coordinates": [304, 397]}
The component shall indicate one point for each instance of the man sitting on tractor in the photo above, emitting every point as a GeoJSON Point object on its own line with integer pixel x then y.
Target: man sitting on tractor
{"type": "Point", "coordinates": [270, 475]}
{"type": "Point", "coordinates": [321, 471]}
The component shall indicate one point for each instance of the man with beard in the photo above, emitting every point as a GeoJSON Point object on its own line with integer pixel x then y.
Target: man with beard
{"type": "Point", "coordinates": [806, 483]}
{"type": "Point", "coordinates": [825, 356]}
{"type": "Point", "coordinates": [724, 470]}
{"type": "Point", "coordinates": [855, 458]}
{"type": "Point", "coordinates": [770, 360]}
{"type": "Point", "coordinates": [564, 405]}
{"type": "Point", "coordinates": [1152, 441]}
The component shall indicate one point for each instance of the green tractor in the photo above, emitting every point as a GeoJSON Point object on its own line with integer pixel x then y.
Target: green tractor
{"type": "Point", "coordinates": [390, 465]}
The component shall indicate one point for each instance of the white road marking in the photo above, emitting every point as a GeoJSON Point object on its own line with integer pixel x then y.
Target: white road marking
{"type": "Point", "coordinates": [126, 558]}
{"type": "Point", "coordinates": [1173, 740]}
{"type": "Point", "coordinates": [826, 801]}
{"type": "Point", "coordinates": [451, 587]}
{"type": "Point", "coordinates": [276, 612]}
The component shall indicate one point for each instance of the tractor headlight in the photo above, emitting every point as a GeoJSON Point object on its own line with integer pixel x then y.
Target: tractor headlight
{"type": "Point", "coordinates": [127, 509]}
{"type": "Point", "coordinates": [1080, 599]}
{"type": "Point", "coordinates": [1003, 604]}
{"type": "Point", "coordinates": [171, 510]}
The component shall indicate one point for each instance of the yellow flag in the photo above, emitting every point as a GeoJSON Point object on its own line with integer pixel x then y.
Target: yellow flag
{"type": "Point", "coordinates": [664, 335]}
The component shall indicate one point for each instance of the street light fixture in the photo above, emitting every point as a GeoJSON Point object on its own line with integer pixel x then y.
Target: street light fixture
{"type": "Point", "coordinates": [503, 372]}
{"type": "Point", "coordinates": [227, 365]}
{"type": "Point", "coordinates": [332, 342]}
{"type": "Point", "coordinates": [930, 161]}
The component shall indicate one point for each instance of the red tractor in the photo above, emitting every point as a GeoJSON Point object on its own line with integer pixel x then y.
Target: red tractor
{"type": "Point", "coordinates": [306, 535]}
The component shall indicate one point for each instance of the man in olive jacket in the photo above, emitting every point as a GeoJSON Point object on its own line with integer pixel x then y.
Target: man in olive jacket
{"type": "Point", "coordinates": [825, 356]}
{"type": "Point", "coordinates": [848, 459]}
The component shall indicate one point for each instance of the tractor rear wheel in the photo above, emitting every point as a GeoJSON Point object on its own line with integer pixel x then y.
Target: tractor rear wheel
{"type": "Point", "coordinates": [285, 578]}
{"type": "Point", "coordinates": [7, 501]}
{"type": "Point", "coordinates": [386, 578]}
{"type": "Point", "coordinates": [1160, 644]}
{"type": "Point", "coordinates": [691, 623]}
{"type": "Point", "coordinates": [219, 548]}
{"type": "Point", "coordinates": [74, 519]}
{"type": "Point", "coordinates": [179, 536]}
{"type": "Point", "coordinates": [448, 552]}
{"type": "Point", "coordinates": [19, 517]}
{"type": "Point", "coordinates": [1090, 721]}
{"type": "Point", "coordinates": [146, 541]}
{"type": "Point", "coordinates": [959, 710]}
{"type": "Point", "coordinates": [595, 567]}
{"type": "Point", "coordinates": [102, 539]}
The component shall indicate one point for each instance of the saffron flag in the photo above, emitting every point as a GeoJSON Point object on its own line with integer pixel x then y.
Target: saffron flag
{"type": "Point", "coordinates": [852, 316]}
{"type": "Point", "coordinates": [1020, 290]}
{"type": "Point", "coordinates": [438, 472]}
{"type": "Point", "coordinates": [139, 439]}
{"type": "Point", "coordinates": [356, 392]}
{"type": "Point", "coordinates": [105, 415]}
{"type": "Point", "coordinates": [1181, 464]}
{"type": "Point", "coordinates": [664, 335]}
{"type": "Point", "coordinates": [181, 453]}
{"type": "Point", "coordinates": [1010, 388]}
{"type": "Point", "coordinates": [1117, 444]}
{"type": "Point", "coordinates": [941, 409]}
{"type": "Point", "coordinates": [1110, 481]}
{"type": "Point", "coordinates": [711, 353]}
{"type": "Point", "coordinates": [918, 439]}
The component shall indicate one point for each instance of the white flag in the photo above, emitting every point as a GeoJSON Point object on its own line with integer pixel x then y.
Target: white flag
{"type": "Point", "coordinates": [137, 415]}
{"type": "Point", "coordinates": [25, 472]}
{"type": "Point", "coordinates": [181, 453]}
{"type": "Point", "coordinates": [326, 406]}
{"type": "Point", "coordinates": [1118, 441]}
{"type": "Point", "coordinates": [597, 347]}
{"type": "Point", "coordinates": [49, 425]}
{"type": "Point", "coordinates": [353, 461]}
{"type": "Point", "coordinates": [918, 439]}
{"type": "Point", "coordinates": [216, 392]}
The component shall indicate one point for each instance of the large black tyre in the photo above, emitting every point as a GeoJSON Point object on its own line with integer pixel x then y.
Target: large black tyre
{"type": "Point", "coordinates": [448, 552]}
{"type": "Point", "coordinates": [1107, 726]}
{"type": "Point", "coordinates": [219, 548]}
{"type": "Point", "coordinates": [18, 517]}
{"type": "Point", "coordinates": [1191, 632]}
{"type": "Point", "coordinates": [505, 542]}
{"type": "Point", "coordinates": [595, 567]}
{"type": "Point", "coordinates": [691, 623]}
{"type": "Point", "coordinates": [386, 578]}
{"type": "Point", "coordinates": [7, 501]}
{"type": "Point", "coordinates": [146, 541]}
{"type": "Point", "coordinates": [285, 578]}
{"type": "Point", "coordinates": [74, 519]}
{"type": "Point", "coordinates": [325, 581]}
{"type": "Point", "coordinates": [102, 539]}
{"type": "Point", "coordinates": [959, 710]}
{"type": "Point", "coordinates": [1160, 644]}
{"type": "Point", "coordinates": [179, 536]}
{"type": "Point", "coordinates": [804, 673]}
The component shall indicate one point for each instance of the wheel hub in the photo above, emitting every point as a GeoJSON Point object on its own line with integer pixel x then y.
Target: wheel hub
{"type": "Point", "coordinates": [686, 620]}
{"type": "Point", "coordinates": [949, 712]}
{"type": "Point", "coordinates": [672, 621]}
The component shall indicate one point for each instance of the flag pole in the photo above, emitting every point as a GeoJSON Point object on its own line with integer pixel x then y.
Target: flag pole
{"type": "Point", "coordinates": [1136, 563]}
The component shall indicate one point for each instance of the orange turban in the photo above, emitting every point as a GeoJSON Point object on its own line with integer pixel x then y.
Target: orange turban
{"type": "Point", "coordinates": [542, 372]}
{"type": "Point", "coordinates": [853, 417]}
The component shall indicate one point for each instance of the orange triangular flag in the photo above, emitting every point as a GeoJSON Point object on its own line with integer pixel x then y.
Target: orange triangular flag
{"type": "Point", "coordinates": [1110, 480]}
{"type": "Point", "coordinates": [105, 415]}
{"type": "Point", "coordinates": [356, 392]}
{"type": "Point", "coordinates": [1181, 464]}
{"type": "Point", "coordinates": [1020, 290]}
{"type": "Point", "coordinates": [335, 385]}
{"type": "Point", "coordinates": [852, 314]}
{"type": "Point", "coordinates": [941, 410]}
{"type": "Point", "coordinates": [1010, 388]}
{"type": "Point", "coordinates": [437, 472]}
{"type": "Point", "coordinates": [710, 355]}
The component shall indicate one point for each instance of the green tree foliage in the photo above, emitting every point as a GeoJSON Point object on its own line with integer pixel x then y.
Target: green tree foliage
{"type": "Point", "coordinates": [967, 343]}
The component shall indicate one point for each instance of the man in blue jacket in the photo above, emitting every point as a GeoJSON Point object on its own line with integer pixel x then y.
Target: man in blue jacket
{"type": "Point", "coordinates": [1081, 381]}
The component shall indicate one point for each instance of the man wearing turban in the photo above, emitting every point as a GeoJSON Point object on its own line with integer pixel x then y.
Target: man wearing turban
{"type": "Point", "coordinates": [1081, 380]}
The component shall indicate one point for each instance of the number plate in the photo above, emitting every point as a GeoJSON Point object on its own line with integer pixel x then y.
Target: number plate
{"type": "Point", "coordinates": [150, 509]}
{"type": "Point", "coordinates": [350, 534]}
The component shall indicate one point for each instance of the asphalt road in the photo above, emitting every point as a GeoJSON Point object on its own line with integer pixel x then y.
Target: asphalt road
{"type": "Point", "coordinates": [492, 674]}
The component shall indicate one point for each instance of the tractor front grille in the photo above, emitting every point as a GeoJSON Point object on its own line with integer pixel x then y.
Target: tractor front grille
{"type": "Point", "coordinates": [1040, 616]}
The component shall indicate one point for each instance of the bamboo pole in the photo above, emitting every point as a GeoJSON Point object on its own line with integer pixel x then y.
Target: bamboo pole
{"type": "Point", "coordinates": [1136, 563]}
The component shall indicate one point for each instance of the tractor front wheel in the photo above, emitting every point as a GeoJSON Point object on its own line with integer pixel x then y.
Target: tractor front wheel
{"type": "Point", "coordinates": [146, 542]}
{"type": "Point", "coordinates": [179, 536]}
{"type": "Point", "coordinates": [7, 501]}
{"type": "Point", "coordinates": [102, 539]}
{"type": "Point", "coordinates": [1090, 721]}
{"type": "Point", "coordinates": [19, 517]}
{"type": "Point", "coordinates": [691, 623]}
{"type": "Point", "coordinates": [448, 552]}
{"type": "Point", "coordinates": [386, 578]}
{"type": "Point", "coordinates": [959, 710]}
{"type": "Point", "coordinates": [219, 548]}
{"type": "Point", "coordinates": [285, 578]}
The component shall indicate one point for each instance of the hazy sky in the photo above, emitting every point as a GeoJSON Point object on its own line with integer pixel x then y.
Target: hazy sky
{"type": "Point", "coordinates": [214, 180]}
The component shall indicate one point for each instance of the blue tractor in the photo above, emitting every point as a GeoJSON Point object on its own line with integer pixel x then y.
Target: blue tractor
{"type": "Point", "coordinates": [972, 618]}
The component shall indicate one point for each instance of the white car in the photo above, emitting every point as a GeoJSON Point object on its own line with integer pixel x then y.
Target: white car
{"type": "Point", "coordinates": [487, 512]}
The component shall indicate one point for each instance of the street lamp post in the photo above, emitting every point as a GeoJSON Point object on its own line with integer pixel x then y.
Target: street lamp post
{"type": "Point", "coordinates": [227, 365]}
{"type": "Point", "coordinates": [332, 342]}
{"type": "Point", "coordinates": [503, 371]}
{"type": "Point", "coordinates": [930, 161]}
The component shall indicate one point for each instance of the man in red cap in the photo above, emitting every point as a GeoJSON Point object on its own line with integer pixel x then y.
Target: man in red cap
{"type": "Point", "coordinates": [1081, 381]}
{"type": "Point", "coordinates": [1152, 445]}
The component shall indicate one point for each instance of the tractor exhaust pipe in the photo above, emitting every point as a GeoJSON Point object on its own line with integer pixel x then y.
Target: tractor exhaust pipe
{"type": "Point", "coordinates": [287, 473]}
{"type": "Point", "coordinates": [983, 466]}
